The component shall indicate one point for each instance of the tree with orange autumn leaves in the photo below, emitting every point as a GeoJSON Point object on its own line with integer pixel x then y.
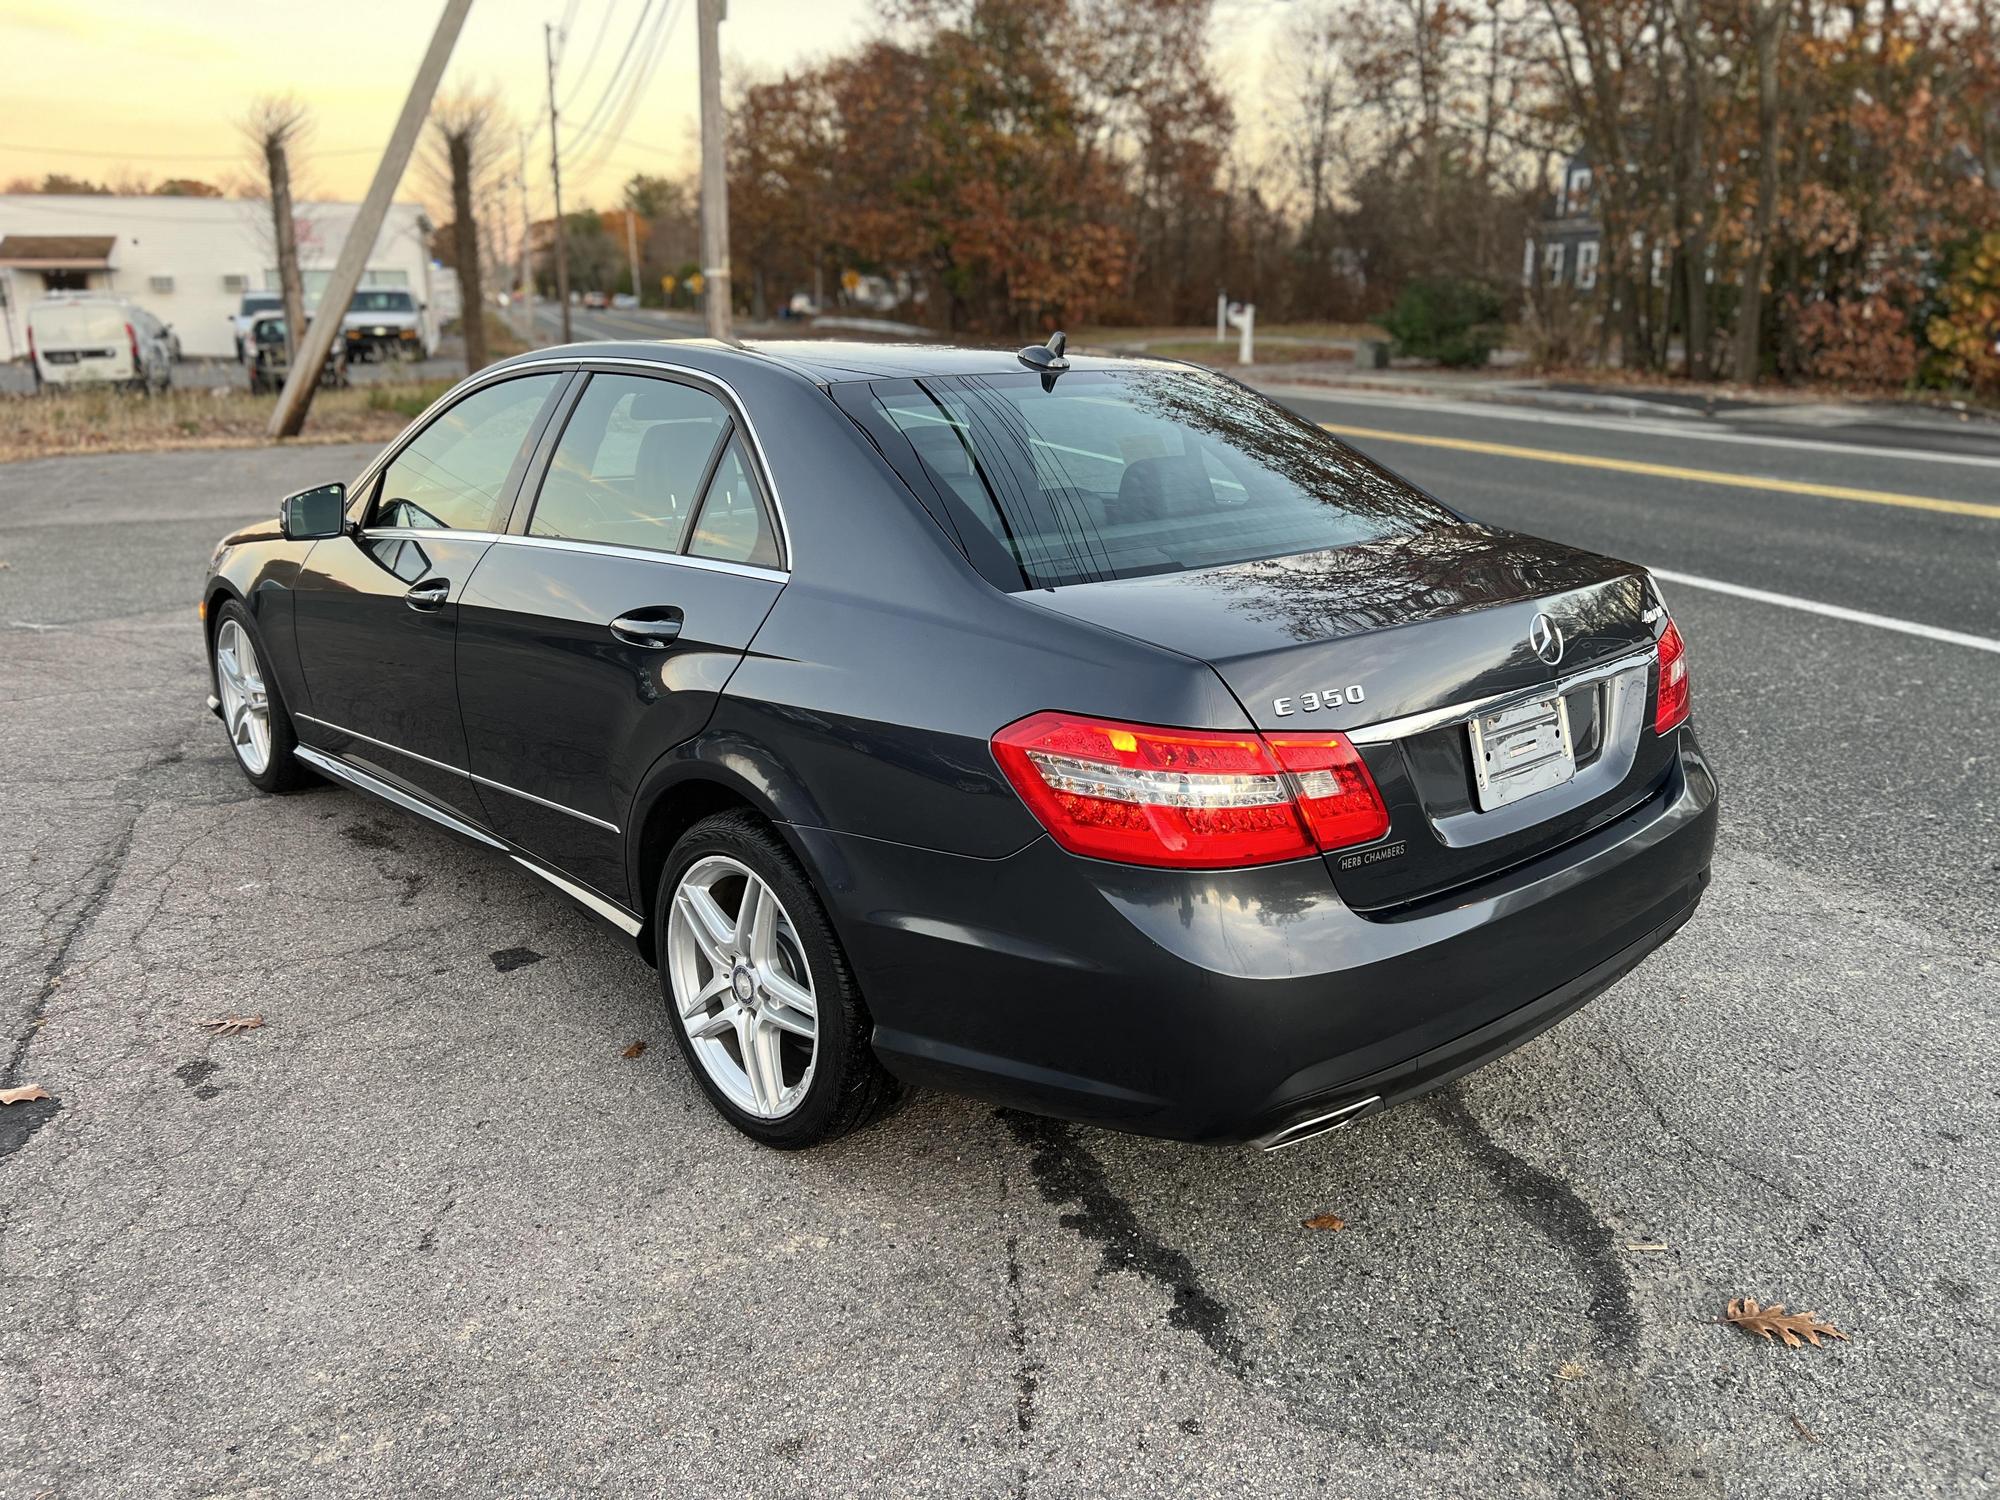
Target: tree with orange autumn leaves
{"type": "Point", "coordinates": [1794, 189]}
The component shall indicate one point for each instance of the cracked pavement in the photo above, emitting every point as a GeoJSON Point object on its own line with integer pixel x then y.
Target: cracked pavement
{"type": "Point", "coordinates": [427, 1231]}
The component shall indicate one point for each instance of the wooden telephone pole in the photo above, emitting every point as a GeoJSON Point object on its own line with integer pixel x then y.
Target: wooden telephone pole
{"type": "Point", "coordinates": [555, 173]}
{"type": "Point", "coordinates": [311, 351]}
{"type": "Point", "coordinates": [714, 173]}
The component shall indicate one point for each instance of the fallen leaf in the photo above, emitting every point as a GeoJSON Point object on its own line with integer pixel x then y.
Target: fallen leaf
{"type": "Point", "coordinates": [1804, 1431]}
{"type": "Point", "coordinates": [1774, 1320]}
{"type": "Point", "coordinates": [1324, 1221]}
{"type": "Point", "coordinates": [27, 1093]}
{"type": "Point", "coordinates": [635, 1049]}
{"type": "Point", "coordinates": [1570, 1371]}
{"type": "Point", "coordinates": [1648, 1246]}
{"type": "Point", "coordinates": [230, 1025]}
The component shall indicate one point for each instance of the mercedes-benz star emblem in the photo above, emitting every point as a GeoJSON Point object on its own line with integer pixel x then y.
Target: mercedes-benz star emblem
{"type": "Point", "coordinates": [1547, 639]}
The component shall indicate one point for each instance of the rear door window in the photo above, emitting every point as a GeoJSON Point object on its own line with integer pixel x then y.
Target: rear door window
{"type": "Point", "coordinates": [452, 474]}
{"type": "Point", "coordinates": [1118, 474]}
{"type": "Point", "coordinates": [630, 464]}
{"type": "Point", "coordinates": [735, 524]}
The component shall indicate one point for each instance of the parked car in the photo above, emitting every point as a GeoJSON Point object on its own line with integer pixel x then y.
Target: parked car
{"type": "Point", "coordinates": [1095, 736]}
{"type": "Point", "coordinates": [624, 301]}
{"type": "Point", "coordinates": [597, 299]}
{"type": "Point", "coordinates": [271, 361]}
{"type": "Point", "coordinates": [252, 304]}
{"type": "Point", "coordinates": [386, 323]}
{"type": "Point", "coordinates": [90, 339]}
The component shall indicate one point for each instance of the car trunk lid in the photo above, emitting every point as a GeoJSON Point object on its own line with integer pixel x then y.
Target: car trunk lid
{"type": "Point", "coordinates": [1394, 642]}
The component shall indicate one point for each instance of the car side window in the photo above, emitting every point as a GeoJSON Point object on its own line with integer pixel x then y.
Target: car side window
{"type": "Point", "coordinates": [451, 475]}
{"type": "Point", "coordinates": [629, 466]}
{"type": "Point", "coordinates": [735, 524]}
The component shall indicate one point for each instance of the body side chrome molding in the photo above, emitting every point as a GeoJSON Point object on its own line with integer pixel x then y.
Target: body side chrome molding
{"type": "Point", "coordinates": [514, 791]}
{"type": "Point", "coordinates": [319, 760]}
{"type": "Point", "coordinates": [498, 786]}
{"type": "Point", "coordinates": [579, 362]}
{"type": "Point", "coordinates": [383, 744]}
{"type": "Point", "coordinates": [613, 913]}
{"type": "Point", "coordinates": [1437, 718]}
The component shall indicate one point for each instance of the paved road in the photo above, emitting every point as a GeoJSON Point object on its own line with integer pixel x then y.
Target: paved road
{"type": "Point", "coordinates": [429, 1232]}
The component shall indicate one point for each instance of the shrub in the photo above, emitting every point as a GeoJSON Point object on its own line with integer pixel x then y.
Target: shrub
{"type": "Point", "coordinates": [1449, 319]}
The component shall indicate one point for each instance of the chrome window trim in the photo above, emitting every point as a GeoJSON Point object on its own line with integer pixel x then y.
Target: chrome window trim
{"type": "Point", "coordinates": [340, 770]}
{"type": "Point", "coordinates": [498, 786]}
{"type": "Point", "coordinates": [740, 410]}
{"type": "Point", "coordinates": [648, 554]}
{"type": "Point", "coordinates": [514, 791]}
{"type": "Point", "coordinates": [1437, 718]}
{"type": "Point", "coordinates": [613, 913]}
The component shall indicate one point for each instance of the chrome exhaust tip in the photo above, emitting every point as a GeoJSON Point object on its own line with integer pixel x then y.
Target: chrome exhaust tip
{"type": "Point", "coordinates": [1317, 1125]}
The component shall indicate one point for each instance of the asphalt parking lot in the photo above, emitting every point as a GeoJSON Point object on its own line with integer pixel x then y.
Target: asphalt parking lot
{"type": "Point", "coordinates": [430, 1231]}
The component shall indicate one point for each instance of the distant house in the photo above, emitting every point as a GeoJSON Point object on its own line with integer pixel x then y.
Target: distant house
{"type": "Point", "coordinates": [1568, 240]}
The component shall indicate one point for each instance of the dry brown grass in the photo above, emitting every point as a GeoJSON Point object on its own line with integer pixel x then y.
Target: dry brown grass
{"type": "Point", "coordinates": [106, 421]}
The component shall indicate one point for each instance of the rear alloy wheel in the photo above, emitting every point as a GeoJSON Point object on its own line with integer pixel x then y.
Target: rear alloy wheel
{"type": "Point", "coordinates": [253, 713]}
{"type": "Point", "coordinates": [765, 1008]}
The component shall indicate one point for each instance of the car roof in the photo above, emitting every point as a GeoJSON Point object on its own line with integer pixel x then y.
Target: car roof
{"type": "Point", "coordinates": [822, 361]}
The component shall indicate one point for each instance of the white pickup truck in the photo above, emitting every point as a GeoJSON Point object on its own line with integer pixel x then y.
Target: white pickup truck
{"type": "Point", "coordinates": [386, 323]}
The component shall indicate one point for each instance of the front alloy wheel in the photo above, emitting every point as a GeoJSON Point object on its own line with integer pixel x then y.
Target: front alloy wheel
{"type": "Point", "coordinates": [742, 987]}
{"type": "Point", "coordinates": [246, 703]}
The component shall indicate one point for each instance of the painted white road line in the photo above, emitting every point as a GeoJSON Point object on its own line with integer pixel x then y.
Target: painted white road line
{"type": "Point", "coordinates": [1831, 611]}
{"type": "Point", "coordinates": [1696, 428]}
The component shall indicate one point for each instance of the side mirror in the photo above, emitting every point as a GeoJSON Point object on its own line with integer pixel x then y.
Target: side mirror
{"type": "Point", "coordinates": [313, 515]}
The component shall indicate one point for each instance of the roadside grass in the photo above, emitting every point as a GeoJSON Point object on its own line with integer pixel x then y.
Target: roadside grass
{"type": "Point", "coordinates": [107, 421]}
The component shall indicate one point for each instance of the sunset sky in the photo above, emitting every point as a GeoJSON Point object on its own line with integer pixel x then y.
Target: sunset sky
{"type": "Point", "coordinates": [110, 88]}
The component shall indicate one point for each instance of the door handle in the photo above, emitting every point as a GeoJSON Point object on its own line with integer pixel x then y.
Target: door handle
{"type": "Point", "coordinates": [654, 627]}
{"type": "Point", "coordinates": [429, 595]}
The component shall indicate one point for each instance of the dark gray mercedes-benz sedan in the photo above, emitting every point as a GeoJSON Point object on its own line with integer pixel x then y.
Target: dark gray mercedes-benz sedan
{"type": "Point", "coordinates": [1093, 736]}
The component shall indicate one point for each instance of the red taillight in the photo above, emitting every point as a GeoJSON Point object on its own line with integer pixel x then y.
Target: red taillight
{"type": "Point", "coordinates": [1188, 799]}
{"type": "Point", "coordinates": [132, 338]}
{"type": "Point", "coordinates": [1673, 709]}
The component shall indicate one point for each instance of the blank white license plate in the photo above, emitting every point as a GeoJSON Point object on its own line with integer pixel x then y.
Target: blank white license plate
{"type": "Point", "coordinates": [1520, 751]}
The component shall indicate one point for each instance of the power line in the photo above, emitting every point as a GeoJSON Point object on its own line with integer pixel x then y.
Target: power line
{"type": "Point", "coordinates": [609, 138]}
{"type": "Point", "coordinates": [171, 155]}
{"type": "Point", "coordinates": [596, 45]}
{"type": "Point", "coordinates": [611, 86]}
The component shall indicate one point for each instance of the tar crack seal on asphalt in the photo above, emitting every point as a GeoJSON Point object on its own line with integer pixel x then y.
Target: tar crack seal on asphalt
{"type": "Point", "coordinates": [1067, 1173]}
{"type": "Point", "coordinates": [1551, 1206]}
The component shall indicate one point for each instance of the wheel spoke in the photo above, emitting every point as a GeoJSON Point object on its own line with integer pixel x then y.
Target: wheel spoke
{"type": "Point", "coordinates": [790, 1020]}
{"type": "Point", "coordinates": [763, 1063]}
{"type": "Point", "coordinates": [752, 917]}
{"type": "Point", "coordinates": [714, 1026]}
{"type": "Point", "coordinates": [709, 924]}
{"type": "Point", "coordinates": [718, 984]}
{"type": "Point", "coordinates": [787, 991]}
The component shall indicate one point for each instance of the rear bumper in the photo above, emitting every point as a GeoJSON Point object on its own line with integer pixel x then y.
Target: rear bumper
{"type": "Point", "coordinates": [1236, 1004]}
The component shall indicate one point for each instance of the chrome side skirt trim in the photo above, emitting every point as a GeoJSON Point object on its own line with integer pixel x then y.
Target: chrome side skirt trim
{"type": "Point", "coordinates": [616, 915]}
{"type": "Point", "coordinates": [514, 791]}
{"type": "Point", "coordinates": [566, 544]}
{"type": "Point", "coordinates": [1437, 718]}
{"type": "Point", "coordinates": [340, 770]}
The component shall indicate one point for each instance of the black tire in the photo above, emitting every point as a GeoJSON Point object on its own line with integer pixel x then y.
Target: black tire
{"type": "Point", "coordinates": [850, 1088]}
{"type": "Point", "coordinates": [283, 772]}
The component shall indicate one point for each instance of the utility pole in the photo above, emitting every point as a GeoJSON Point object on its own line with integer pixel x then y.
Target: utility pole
{"type": "Point", "coordinates": [714, 173]}
{"type": "Point", "coordinates": [632, 242]}
{"type": "Point", "coordinates": [524, 322]}
{"type": "Point", "coordinates": [555, 172]}
{"type": "Point", "coordinates": [296, 398]}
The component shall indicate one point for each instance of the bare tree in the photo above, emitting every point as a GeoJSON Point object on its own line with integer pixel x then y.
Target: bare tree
{"type": "Point", "coordinates": [1767, 20]}
{"type": "Point", "coordinates": [274, 125]}
{"type": "Point", "coordinates": [467, 157]}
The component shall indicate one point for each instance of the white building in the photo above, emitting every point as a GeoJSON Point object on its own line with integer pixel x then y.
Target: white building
{"type": "Point", "coordinates": [187, 261]}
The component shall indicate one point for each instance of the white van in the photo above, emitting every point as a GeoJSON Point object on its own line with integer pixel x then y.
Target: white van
{"type": "Point", "coordinates": [85, 340]}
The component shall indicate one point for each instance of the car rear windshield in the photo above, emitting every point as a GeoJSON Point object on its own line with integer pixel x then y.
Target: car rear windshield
{"type": "Point", "coordinates": [381, 302]}
{"type": "Point", "coordinates": [1096, 475]}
